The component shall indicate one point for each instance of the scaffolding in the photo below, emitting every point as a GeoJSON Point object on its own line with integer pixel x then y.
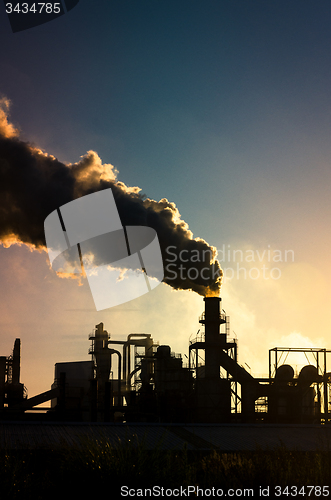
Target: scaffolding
{"type": "Point", "coordinates": [315, 356]}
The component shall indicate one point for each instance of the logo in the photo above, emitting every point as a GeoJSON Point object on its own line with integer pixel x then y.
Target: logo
{"type": "Point", "coordinates": [25, 15]}
{"type": "Point", "coordinates": [121, 263]}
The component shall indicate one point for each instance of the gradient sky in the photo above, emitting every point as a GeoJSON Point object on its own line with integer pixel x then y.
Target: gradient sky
{"type": "Point", "coordinates": [220, 106]}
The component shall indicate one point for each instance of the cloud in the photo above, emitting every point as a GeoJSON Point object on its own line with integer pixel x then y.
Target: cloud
{"type": "Point", "coordinates": [6, 129]}
{"type": "Point", "coordinates": [33, 184]}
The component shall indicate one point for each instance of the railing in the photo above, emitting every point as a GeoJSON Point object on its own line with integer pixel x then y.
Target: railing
{"type": "Point", "coordinates": [198, 338]}
{"type": "Point", "coordinates": [222, 317]}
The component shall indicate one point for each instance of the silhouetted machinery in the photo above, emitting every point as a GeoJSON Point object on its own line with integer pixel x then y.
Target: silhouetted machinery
{"type": "Point", "coordinates": [12, 391]}
{"type": "Point", "coordinates": [149, 383]}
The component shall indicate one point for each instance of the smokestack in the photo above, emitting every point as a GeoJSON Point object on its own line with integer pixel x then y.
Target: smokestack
{"type": "Point", "coordinates": [16, 362]}
{"type": "Point", "coordinates": [212, 319]}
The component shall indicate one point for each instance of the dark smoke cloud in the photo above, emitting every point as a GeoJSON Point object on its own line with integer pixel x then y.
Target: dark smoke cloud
{"type": "Point", "coordinates": [33, 184]}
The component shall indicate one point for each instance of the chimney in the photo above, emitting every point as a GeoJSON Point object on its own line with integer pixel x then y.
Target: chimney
{"type": "Point", "coordinates": [212, 319]}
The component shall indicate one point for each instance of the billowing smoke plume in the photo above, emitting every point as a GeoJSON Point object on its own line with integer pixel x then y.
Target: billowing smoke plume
{"type": "Point", "coordinates": [33, 184]}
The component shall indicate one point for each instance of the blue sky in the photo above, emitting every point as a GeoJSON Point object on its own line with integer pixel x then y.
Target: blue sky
{"type": "Point", "coordinates": [222, 107]}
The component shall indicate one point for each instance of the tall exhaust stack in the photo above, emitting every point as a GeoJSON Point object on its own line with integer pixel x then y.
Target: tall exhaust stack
{"type": "Point", "coordinates": [212, 319]}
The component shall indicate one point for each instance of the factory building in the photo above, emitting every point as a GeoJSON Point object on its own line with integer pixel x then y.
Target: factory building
{"type": "Point", "coordinates": [149, 383]}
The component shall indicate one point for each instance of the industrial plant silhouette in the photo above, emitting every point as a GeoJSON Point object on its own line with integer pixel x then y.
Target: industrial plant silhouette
{"type": "Point", "coordinates": [152, 385]}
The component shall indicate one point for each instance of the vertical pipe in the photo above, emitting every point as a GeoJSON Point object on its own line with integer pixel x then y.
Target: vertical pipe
{"type": "Point", "coordinates": [318, 386]}
{"type": "Point", "coordinates": [212, 336]}
{"type": "Point", "coordinates": [325, 383]}
{"type": "Point", "coordinates": [129, 365]}
{"type": "Point", "coordinates": [16, 362]}
{"type": "Point", "coordinates": [276, 361]}
{"type": "Point", "coordinates": [119, 379]}
{"type": "Point", "coordinates": [124, 362]}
